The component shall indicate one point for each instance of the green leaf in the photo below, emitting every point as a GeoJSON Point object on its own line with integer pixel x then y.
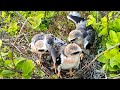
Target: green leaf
{"type": "Point", "coordinates": [4, 54]}
{"type": "Point", "coordinates": [27, 76]}
{"type": "Point", "coordinates": [50, 14]}
{"type": "Point", "coordinates": [104, 21]}
{"type": "Point", "coordinates": [104, 31]}
{"type": "Point", "coordinates": [13, 28]}
{"type": "Point", "coordinates": [116, 24]}
{"type": "Point", "coordinates": [103, 59]}
{"type": "Point", "coordinates": [113, 62]}
{"type": "Point", "coordinates": [113, 36]}
{"type": "Point", "coordinates": [27, 66]}
{"type": "Point", "coordinates": [7, 73]}
{"type": "Point", "coordinates": [108, 45]}
{"type": "Point", "coordinates": [108, 55]}
{"type": "Point", "coordinates": [10, 55]}
{"type": "Point", "coordinates": [7, 19]}
{"type": "Point", "coordinates": [3, 14]}
{"type": "Point", "coordinates": [20, 58]}
{"type": "Point", "coordinates": [8, 63]}
{"type": "Point", "coordinates": [19, 64]}
{"type": "Point", "coordinates": [1, 62]}
{"type": "Point", "coordinates": [114, 51]}
{"type": "Point", "coordinates": [91, 20]}
{"type": "Point", "coordinates": [0, 43]}
{"type": "Point", "coordinates": [117, 57]}
{"type": "Point", "coordinates": [118, 34]}
{"type": "Point", "coordinates": [110, 15]}
{"type": "Point", "coordinates": [112, 75]}
{"type": "Point", "coordinates": [105, 67]}
{"type": "Point", "coordinates": [115, 68]}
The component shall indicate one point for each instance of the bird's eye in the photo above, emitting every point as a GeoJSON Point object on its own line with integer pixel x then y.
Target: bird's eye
{"type": "Point", "coordinates": [75, 53]}
{"type": "Point", "coordinates": [41, 50]}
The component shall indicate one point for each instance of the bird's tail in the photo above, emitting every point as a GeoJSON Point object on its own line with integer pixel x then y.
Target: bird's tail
{"type": "Point", "coordinates": [77, 19]}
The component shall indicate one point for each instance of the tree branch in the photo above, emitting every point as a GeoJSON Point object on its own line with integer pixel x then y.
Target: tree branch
{"type": "Point", "coordinates": [97, 56]}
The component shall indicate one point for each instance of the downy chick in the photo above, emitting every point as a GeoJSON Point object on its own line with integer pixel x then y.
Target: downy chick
{"type": "Point", "coordinates": [69, 58]}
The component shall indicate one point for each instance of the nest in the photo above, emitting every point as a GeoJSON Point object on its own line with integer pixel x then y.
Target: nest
{"type": "Point", "coordinates": [21, 45]}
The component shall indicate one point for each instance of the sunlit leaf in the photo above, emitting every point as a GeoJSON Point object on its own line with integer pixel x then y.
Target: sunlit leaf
{"type": "Point", "coordinates": [105, 67]}
{"type": "Point", "coordinates": [118, 34]}
{"type": "Point", "coordinates": [27, 66]}
{"type": "Point", "coordinates": [104, 31]}
{"type": "Point", "coordinates": [113, 62]}
{"type": "Point", "coordinates": [3, 14]}
{"type": "Point", "coordinates": [103, 59]}
{"type": "Point", "coordinates": [10, 55]}
{"type": "Point", "coordinates": [116, 24]}
{"type": "Point", "coordinates": [113, 36]}
{"type": "Point", "coordinates": [27, 76]}
{"type": "Point", "coordinates": [110, 15]}
{"type": "Point", "coordinates": [19, 64]}
{"type": "Point", "coordinates": [7, 20]}
{"type": "Point", "coordinates": [4, 54]}
{"type": "Point", "coordinates": [112, 75]}
{"type": "Point", "coordinates": [117, 57]}
{"type": "Point", "coordinates": [115, 68]}
{"type": "Point", "coordinates": [108, 45]}
{"type": "Point", "coordinates": [104, 21]}
{"type": "Point", "coordinates": [91, 20]}
{"type": "Point", "coordinates": [8, 63]}
{"type": "Point", "coordinates": [7, 73]}
{"type": "Point", "coordinates": [0, 43]}
{"type": "Point", "coordinates": [108, 55]}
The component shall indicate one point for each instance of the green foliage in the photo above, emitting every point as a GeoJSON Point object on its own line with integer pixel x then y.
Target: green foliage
{"type": "Point", "coordinates": [0, 43]}
{"type": "Point", "coordinates": [37, 20]}
{"type": "Point", "coordinates": [12, 65]}
{"type": "Point", "coordinates": [108, 29]}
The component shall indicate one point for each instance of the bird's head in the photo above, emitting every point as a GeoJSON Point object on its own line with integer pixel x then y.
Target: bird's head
{"type": "Point", "coordinates": [40, 46]}
{"type": "Point", "coordinates": [72, 49]}
{"type": "Point", "coordinates": [75, 36]}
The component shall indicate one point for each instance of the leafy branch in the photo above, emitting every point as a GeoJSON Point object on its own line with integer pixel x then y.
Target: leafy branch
{"type": "Point", "coordinates": [97, 56]}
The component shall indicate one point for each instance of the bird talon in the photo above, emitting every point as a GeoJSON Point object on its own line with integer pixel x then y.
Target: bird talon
{"type": "Point", "coordinates": [59, 75]}
{"type": "Point", "coordinates": [71, 73]}
{"type": "Point", "coordinates": [54, 67]}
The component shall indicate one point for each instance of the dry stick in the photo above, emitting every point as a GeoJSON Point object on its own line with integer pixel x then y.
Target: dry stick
{"type": "Point", "coordinates": [21, 16]}
{"type": "Point", "coordinates": [17, 49]}
{"type": "Point", "coordinates": [99, 56]}
{"type": "Point", "coordinates": [23, 25]}
{"type": "Point", "coordinates": [20, 31]}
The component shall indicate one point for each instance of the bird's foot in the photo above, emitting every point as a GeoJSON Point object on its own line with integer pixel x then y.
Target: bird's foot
{"type": "Point", "coordinates": [71, 73]}
{"type": "Point", "coordinates": [54, 67]}
{"type": "Point", "coordinates": [59, 75]}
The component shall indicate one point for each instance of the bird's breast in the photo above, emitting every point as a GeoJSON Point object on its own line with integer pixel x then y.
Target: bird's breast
{"type": "Point", "coordinates": [70, 62]}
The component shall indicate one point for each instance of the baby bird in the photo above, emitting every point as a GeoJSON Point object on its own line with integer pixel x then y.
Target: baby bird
{"type": "Point", "coordinates": [85, 36]}
{"type": "Point", "coordinates": [43, 43]}
{"type": "Point", "coordinates": [69, 58]}
{"type": "Point", "coordinates": [77, 36]}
